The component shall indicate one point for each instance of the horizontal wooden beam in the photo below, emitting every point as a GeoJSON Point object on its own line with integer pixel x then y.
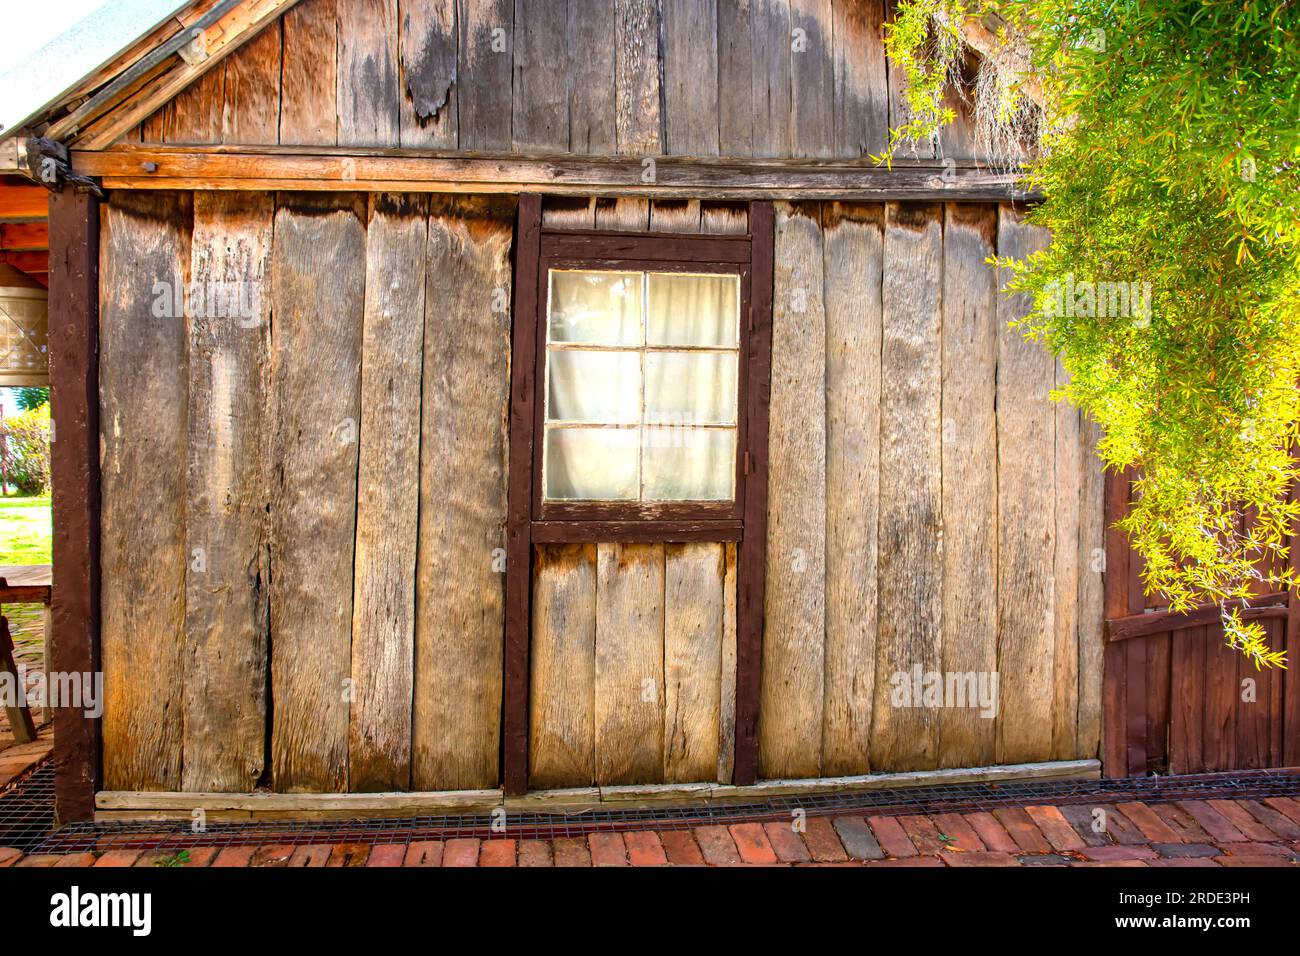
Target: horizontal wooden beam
{"type": "Point", "coordinates": [23, 203]}
{"type": "Point", "coordinates": [1158, 622]}
{"type": "Point", "coordinates": [124, 805]}
{"type": "Point", "coordinates": [24, 236]}
{"type": "Point", "coordinates": [386, 170]}
{"type": "Point", "coordinates": [33, 263]}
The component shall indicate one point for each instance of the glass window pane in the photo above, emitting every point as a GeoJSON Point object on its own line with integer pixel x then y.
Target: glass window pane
{"type": "Point", "coordinates": [690, 388]}
{"type": "Point", "coordinates": [689, 464]}
{"type": "Point", "coordinates": [590, 464]}
{"type": "Point", "coordinates": [586, 386]}
{"type": "Point", "coordinates": [595, 308]}
{"type": "Point", "coordinates": [693, 310]}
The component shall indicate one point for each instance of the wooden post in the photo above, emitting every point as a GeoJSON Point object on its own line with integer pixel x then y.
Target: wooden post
{"type": "Point", "coordinates": [514, 752]}
{"type": "Point", "coordinates": [74, 404]}
{"type": "Point", "coordinates": [750, 567]}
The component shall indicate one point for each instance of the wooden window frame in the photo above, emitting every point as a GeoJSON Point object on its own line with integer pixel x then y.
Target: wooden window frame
{"type": "Point", "coordinates": [531, 520]}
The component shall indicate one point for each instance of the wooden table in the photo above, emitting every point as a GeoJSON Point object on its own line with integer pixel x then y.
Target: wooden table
{"type": "Point", "coordinates": [24, 584]}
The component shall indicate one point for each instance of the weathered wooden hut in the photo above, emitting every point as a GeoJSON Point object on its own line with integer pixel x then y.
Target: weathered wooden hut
{"type": "Point", "coordinates": [467, 399]}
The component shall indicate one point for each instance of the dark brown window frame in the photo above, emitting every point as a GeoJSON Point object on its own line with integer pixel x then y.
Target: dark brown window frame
{"type": "Point", "coordinates": [532, 521]}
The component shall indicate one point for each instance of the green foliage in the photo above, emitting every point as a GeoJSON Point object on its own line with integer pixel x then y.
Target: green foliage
{"type": "Point", "coordinates": [180, 858]}
{"type": "Point", "coordinates": [1169, 153]}
{"type": "Point", "coordinates": [32, 397]}
{"type": "Point", "coordinates": [25, 444]}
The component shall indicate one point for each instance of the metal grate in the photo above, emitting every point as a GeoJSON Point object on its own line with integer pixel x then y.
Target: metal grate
{"type": "Point", "coordinates": [26, 818]}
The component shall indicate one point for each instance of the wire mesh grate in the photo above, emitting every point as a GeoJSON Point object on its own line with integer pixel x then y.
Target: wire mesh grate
{"type": "Point", "coordinates": [26, 813]}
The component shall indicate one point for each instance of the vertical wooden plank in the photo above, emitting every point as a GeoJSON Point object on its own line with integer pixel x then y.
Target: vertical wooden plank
{"type": "Point", "coordinates": [899, 112]}
{"type": "Point", "coordinates": [1290, 710]}
{"type": "Point", "coordinates": [694, 612]}
{"type": "Point", "coordinates": [1254, 695]}
{"type": "Point", "coordinates": [460, 591]}
{"type": "Point", "coordinates": [629, 700]}
{"type": "Point", "coordinates": [861, 83]}
{"type": "Point", "coordinates": [1187, 702]}
{"type": "Point", "coordinates": [308, 84]}
{"type": "Point", "coordinates": [1275, 703]}
{"type": "Point", "coordinates": [790, 726]}
{"type": "Point", "coordinates": [74, 404]}
{"type": "Point", "coordinates": [770, 80]}
{"type": "Point", "coordinates": [690, 77]}
{"type": "Point", "coordinates": [367, 73]}
{"type": "Point", "coordinates": [1065, 577]}
{"type": "Point", "coordinates": [638, 127]}
{"type": "Point", "coordinates": [151, 128]}
{"type": "Point", "coordinates": [251, 115]}
{"type": "Point", "coordinates": [751, 557]}
{"type": "Point", "coordinates": [970, 478]}
{"type": "Point", "coordinates": [541, 94]}
{"type": "Point", "coordinates": [519, 551]}
{"type": "Point", "coordinates": [1091, 564]}
{"type": "Point", "coordinates": [1157, 700]}
{"type": "Point", "coordinates": [143, 384]}
{"type": "Point", "coordinates": [1026, 527]}
{"type": "Point", "coordinates": [625, 214]}
{"type": "Point", "coordinates": [1222, 704]}
{"type": "Point", "coordinates": [853, 267]}
{"type": "Point", "coordinates": [812, 81]}
{"type": "Point", "coordinates": [427, 74]}
{"type": "Point", "coordinates": [910, 568]}
{"type": "Point", "coordinates": [724, 218]}
{"type": "Point", "coordinates": [227, 579]}
{"type": "Point", "coordinates": [590, 78]}
{"type": "Point", "coordinates": [561, 700]}
{"type": "Point", "coordinates": [486, 32]}
{"type": "Point", "coordinates": [675, 215]}
{"type": "Point", "coordinates": [194, 116]}
{"type": "Point", "coordinates": [318, 280]}
{"type": "Point", "coordinates": [569, 212]}
{"type": "Point", "coordinates": [727, 680]}
{"type": "Point", "coordinates": [735, 79]}
{"type": "Point", "coordinates": [1115, 581]}
{"type": "Point", "coordinates": [388, 495]}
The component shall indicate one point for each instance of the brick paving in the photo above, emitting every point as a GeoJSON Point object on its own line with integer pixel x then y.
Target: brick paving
{"type": "Point", "coordinates": [1217, 832]}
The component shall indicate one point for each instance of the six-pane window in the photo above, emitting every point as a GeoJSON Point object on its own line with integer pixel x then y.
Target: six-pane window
{"type": "Point", "coordinates": [641, 390]}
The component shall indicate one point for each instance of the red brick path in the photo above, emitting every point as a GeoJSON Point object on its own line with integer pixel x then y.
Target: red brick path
{"type": "Point", "coordinates": [1262, 832]}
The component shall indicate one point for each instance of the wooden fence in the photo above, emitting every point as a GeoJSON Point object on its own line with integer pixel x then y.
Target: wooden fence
{"type": "Point", "coordinates": [1177, 698]}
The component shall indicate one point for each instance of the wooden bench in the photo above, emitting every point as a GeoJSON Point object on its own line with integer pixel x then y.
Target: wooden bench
{"type": "Point", "coordinates": [24, 584]}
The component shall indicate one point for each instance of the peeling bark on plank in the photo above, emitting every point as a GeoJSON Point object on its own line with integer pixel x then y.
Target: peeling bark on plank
{"type": "Point", "coordinates": [427, 74]}
{"type": "Point", "coordinates": [227, 526]}
{"type": "Point", "coordinates": [143, 380]}
{"type": "Point", "coordinates": [318, 299]}
{"type": "Point", "coordinates": [460, 590]}
{"type": "Point", "coordinates": [388, 495]}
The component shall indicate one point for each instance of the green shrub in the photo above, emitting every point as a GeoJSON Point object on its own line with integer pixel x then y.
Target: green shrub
{"type": "Point", "coordinates": [26, 449]}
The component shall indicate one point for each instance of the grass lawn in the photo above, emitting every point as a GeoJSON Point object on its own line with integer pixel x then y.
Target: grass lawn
{"type": "Point", "coordinates": [25, 530]}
